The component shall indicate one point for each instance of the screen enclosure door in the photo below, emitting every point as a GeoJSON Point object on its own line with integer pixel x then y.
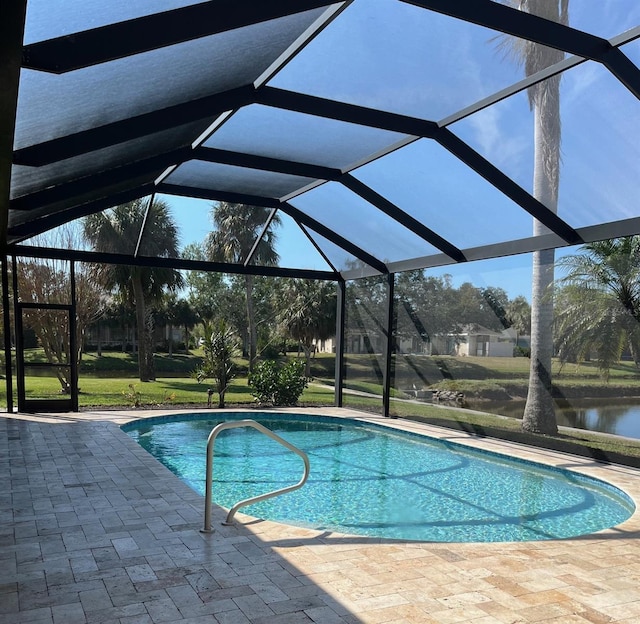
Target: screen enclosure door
{"type": "Point", "coordinates": [46, 361]}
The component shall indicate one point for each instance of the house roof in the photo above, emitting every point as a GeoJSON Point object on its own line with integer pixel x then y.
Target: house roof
{"type": "Point", "coordinates": [393, 134]}
{"type": "Point", "coordinates": [474, 329]}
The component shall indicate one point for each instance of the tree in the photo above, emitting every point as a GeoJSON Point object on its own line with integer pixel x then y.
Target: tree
{"type": "Point", "coordinates": [237, 229]}
{"type": "Point", "coordinates": [184, 316]}
{"type": "Point", "coordinates": [494, 304]}
{"type": "Point", "coordinates": [599, 303]}
{"type": "Point", "coordinates": [425, 306]}
{"type": "Point", "coordinates": [44, 282]}
{"type": "Point", "coordinates": [207, 290]}
{"type": "Point", "coordinates": [481, 306]}
{"type": "Point", "coordinates": [518, 316]}
{"type": "Point", "coordinates": [309, 314]}
{"type": "Point", "coordinates": [163, 316]}
{"type": "Point", "coordinates": [117, 315]}
{"type": "Point", "coordinates": [170, 312]}
{"type": "Point", "coordinates": [118, 230]}
{"type": "Point", "coordinates": [219, 350]}
{"type": "Point", "coordinates": [544, 100]}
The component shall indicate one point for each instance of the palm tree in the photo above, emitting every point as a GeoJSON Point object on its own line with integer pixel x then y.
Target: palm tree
{"type": "Point", "coordinates": [117, 230]}
{"type": "Point", "coordinates": [309, 313]}
{"type": "Point", "coordinates": [544, 100]}
{"type": "Point", "coordinates": [599, 304]}
{"type": "Point", "coordinates": [237, 228]}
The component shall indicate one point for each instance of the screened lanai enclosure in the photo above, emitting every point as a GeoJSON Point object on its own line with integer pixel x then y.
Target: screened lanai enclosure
{"type": "Point", "coordinates": [390, 140]}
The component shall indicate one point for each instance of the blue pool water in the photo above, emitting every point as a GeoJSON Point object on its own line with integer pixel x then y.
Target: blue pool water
{"type": "Point", "coordinates": [370, 480]}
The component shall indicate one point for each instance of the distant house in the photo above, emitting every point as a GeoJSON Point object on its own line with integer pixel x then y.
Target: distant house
{"type": "Point", "coordinates": [480, 341]}
{"type": "Point", "coordinates": [472, 340]}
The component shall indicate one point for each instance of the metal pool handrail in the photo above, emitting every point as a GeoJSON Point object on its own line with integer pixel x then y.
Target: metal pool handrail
{"type": "Point", "coordinates": [256, 499]}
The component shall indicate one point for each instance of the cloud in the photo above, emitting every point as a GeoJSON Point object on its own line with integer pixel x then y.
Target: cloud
{"type": "Point", "coordinates": [504, 136]}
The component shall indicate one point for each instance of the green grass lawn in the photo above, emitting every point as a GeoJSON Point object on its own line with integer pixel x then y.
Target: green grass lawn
{"type": "Point", "coordinates": [111, 381]}
{"type": "Point", "coordinates": [165, 391]}
{"type": "Point", "coordinates": [489, 377]}
{"type": "Point", "coordinates": [475, 376]}
{"type": "Point", "coordinates": [478, 378]}
{"type": "Point", "coordinates": [110, 386]}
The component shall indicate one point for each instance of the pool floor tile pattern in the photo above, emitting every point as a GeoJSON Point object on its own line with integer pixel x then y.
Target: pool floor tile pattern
{"type": "Point", "coordinates": [95, 530]}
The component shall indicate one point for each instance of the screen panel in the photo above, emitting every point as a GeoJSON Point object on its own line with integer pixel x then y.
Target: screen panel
{"type": "Point", "coordinates": [293, 246]}
{"type": "Point", "coordinates": [599, 119]}
{"type": "Point", "coordinates": [365, 313]}
{"type": "Point", "coordinates": [228, 178]}
{"type": "Point", "coordinates": [278, 133]}
{"type": "Point", "coordinates": [439, 190]}
{"type": "Point", "coordinates": [26, 180]}
{"type": "Point", "coordinates": [355, 219]}
{"type": "Point", "coordinates": [50, 106]}
{"type": "Point", "coordinates": [77, 15]}
{"type": "Point", "coordinates": [403, 59]}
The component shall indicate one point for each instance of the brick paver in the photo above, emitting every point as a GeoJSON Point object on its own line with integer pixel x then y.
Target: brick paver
{"type": "Point", "coordinates": [93, 529]}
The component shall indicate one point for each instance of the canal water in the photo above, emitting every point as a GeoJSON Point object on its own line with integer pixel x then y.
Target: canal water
{"type": "Point", "coordinates": [621, 417]}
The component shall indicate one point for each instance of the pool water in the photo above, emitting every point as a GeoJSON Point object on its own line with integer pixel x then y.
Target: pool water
{"type": "Point", "coordinates": [371, 480]}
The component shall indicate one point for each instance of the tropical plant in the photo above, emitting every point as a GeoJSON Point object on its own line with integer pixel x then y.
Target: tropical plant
{"type": "Point", "coordinates": [119, 230]}
{"type": "Point", "coordinates": [277, 384]}
{"type": "Point", "coordinates": [239, 231]}
{"type": "Point", "coordinates": [132, 396]}
{"type": "Point", "coordinates": [598, 306]}
{"type": "Point", "coordinates": [220, 347]}
{"type": "Point", "coordinates": [544, 100]}
{"type": "Point", "coordinates": [309, 314]}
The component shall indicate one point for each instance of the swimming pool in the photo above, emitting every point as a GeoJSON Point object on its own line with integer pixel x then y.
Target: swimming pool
{"type": "Point", "coordinates": [372, 480]}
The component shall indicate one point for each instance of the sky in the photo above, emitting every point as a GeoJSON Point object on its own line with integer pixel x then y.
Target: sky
{"type": "Point", "coordinates": [600, 119]}
{"type": "Point", "coordinates": [458, 64]}
{"type": "Point", "coordinates": [512, 273]}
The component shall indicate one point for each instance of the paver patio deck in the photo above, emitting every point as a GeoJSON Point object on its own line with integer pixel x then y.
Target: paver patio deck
{"type": "Point", "coordinates": [93, 529]}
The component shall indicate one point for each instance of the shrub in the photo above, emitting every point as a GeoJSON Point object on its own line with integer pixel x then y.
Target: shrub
{"type": "Point", "coordinates": [271, 351]}
{"type": "Point", "coordinates": [519, 351]}
{"type": "Point", "coordinates": [278, 384]}
{"type": "Point", "coordinates": [219, 348]}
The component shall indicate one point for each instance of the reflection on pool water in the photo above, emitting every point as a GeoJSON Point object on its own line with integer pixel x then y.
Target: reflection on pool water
{"type": "Point", "coordinates": [370, 480]}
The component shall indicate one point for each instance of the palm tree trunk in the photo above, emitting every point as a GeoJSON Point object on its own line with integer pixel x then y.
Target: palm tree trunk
{"type": "Point", "coordinates": [141, 326]}
{"type": "Point", "coordinates": [251, 321]}
{"type": "Point", "coordinates": [633, 339]}
{"type": "Point", "coordinates": [307, 361]}
{"type": "Point", "coordinates": [149, 338]}
{"type": "Point", "coordinates": [539, 414]}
